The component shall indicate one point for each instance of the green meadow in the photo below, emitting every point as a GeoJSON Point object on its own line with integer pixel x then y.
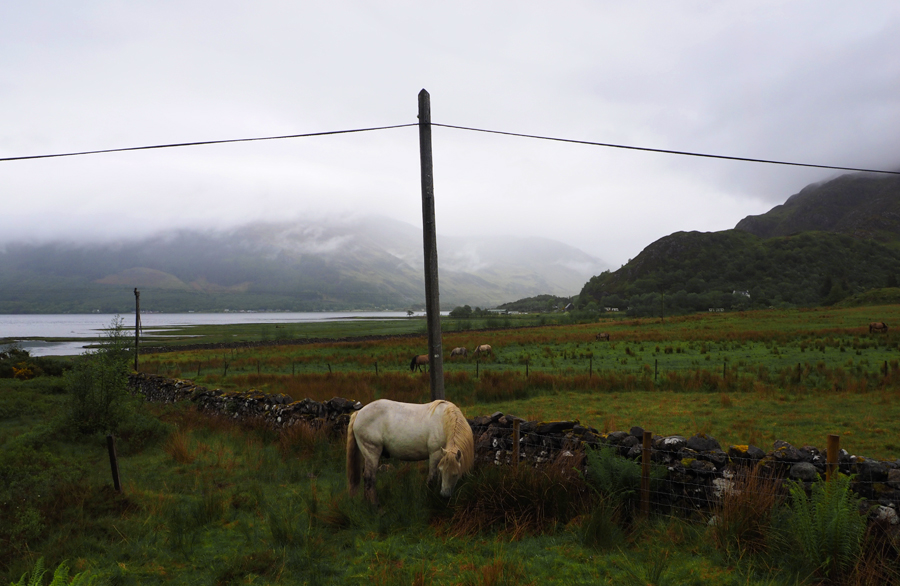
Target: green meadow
{"type": "Point", "coordinates": [750, 377]}
{"type": "Point", "coordinates": [207, 500]}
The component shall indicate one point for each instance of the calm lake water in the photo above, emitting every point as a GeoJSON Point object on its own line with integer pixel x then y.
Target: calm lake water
{"type": "Point", "coordinates": [90, 326]}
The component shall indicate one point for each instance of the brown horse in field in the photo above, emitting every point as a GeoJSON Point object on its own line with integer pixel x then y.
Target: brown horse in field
{"type": "Point", "coordinates": [418, 362]}
{"type": "Point", "coordinates": [459, 352]}
{"type": "Point", "coordinates": [878, 327]}
{"type": "Point", "coordinates": [483, 349]}
{"type": "Point", "coordinates": [603, 336]}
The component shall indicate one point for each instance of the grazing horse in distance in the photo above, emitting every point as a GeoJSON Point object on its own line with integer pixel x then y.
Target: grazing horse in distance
{"type": "Point", "coordinates": [603, 336]}
{"type": "Point", "coordinates": [483, 349]}
{"type": "Point", "coordinates": [437, 432]}
{"type": "Point", "coordinates": [879, 327]}
{"type": "Point", "coordinates": [459, 352]}
{"type": "Point", "coordinates": [418, 362]}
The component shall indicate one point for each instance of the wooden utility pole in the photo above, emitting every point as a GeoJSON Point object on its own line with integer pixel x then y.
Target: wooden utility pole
{"type": "Point", "coordinates": [429, 235]}
{"type": "Point", "coordinates": [137, 325]}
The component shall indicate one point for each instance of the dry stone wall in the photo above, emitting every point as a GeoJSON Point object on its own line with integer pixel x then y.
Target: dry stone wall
{"type": "Point", "coordinates": [698, 469]}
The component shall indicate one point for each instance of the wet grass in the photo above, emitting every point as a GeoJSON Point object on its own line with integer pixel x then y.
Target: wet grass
{"type": "Point", "coordinates": [221, 503]}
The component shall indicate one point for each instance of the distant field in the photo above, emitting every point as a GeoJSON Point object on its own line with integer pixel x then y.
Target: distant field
{"type": "Point", "coordinates": [749, 377]}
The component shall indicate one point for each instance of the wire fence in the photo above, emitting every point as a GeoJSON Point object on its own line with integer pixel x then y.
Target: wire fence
{"type": "Point", "coordinates": [690, 477]}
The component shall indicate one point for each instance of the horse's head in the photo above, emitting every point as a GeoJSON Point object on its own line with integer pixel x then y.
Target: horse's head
{"type": "Point", "coordinates": [450, 468]}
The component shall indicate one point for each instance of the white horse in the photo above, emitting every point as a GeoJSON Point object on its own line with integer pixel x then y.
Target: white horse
{"type": "Point", "coordinates": [437, 432]}
{"type": "Point", "coordinates": [483, 349]}
{"type": "Point", "coordinates": [460, 351]}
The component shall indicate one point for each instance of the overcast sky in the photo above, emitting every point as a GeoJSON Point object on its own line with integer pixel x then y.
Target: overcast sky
{"type": "Point", "coordinates": [815, 82]}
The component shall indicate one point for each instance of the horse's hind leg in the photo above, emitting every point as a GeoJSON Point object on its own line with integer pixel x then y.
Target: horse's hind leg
{"type": "Point", "coordinates": [371, 466]}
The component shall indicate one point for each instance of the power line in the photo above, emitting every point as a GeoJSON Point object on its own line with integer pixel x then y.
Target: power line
{"type": "Point", "coordinates": [205, 142]}
{"type": "Point", "coordinates": [516, 134]}
{"type": "Point", "coordinates": [668, 152]}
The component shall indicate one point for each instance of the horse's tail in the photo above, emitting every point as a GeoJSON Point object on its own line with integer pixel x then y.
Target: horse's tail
{"type": "Point", "coordinates": [412, 363]}
{"type": "Point", "coordinates": [354, 457]}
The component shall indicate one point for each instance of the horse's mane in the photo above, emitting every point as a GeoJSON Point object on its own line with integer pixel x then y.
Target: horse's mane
{"type": "Point", "coordinates": [459, 434]}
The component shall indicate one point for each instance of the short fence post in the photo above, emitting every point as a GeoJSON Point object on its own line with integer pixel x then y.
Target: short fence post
{"type": "Point", "coordinates": [645, 473]}
{"type": "Point", "coordinates": [257, 368]}
{"type": "Point", "coordinates": [113, 462]}
{"type": "Point", "coordinates": [329, 369]}
{"type": "Point", "coordinates": [526, 369]}
{"type": "Point", "coordinates": [834, 449]}
{"type": "Point", "coordinates": [655, 368]}
{"type": "Point", "coordinates": [515, 449]}
{"type": "Point", "coordinates": [376, 368]}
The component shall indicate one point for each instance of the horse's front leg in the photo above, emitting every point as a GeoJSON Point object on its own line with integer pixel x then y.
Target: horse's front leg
{"type": "Point", "coordinates": [433, 462]}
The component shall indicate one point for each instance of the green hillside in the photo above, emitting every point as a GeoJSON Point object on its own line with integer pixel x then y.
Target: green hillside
{"type": "Point", "coordinates": [832, 241]}
{"type": "Point", "coordinates": [692, 271]}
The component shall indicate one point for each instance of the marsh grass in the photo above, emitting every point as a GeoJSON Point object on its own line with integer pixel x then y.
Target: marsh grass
{"type": "Point", "coordinates": [742, 522]}
{"type": "Point", "coordinates": [500, 572]}
{"type": "Point", "coordinates": [520, 500]}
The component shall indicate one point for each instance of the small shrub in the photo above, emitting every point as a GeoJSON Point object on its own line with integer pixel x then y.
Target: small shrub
{"type": "Point", "coordinates": [823, 532]}
{"type": "Point", "coordinates": [97, 385]}
{"type": "Point", "coordinates": [619, 479]}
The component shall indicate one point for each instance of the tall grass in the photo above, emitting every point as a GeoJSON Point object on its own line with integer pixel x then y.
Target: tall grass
{"type": "Point", "coordinates": [519, 500]}
{"type": "Point", "coordinates": [742, 522]}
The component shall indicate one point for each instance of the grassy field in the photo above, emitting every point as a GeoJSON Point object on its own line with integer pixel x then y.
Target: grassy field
{"type": "Point", "coordinates": [744, 378]}
{"type": "Point", "coordinates": [210, 501]}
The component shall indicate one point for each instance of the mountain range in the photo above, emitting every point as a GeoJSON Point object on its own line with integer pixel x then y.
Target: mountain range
{"type": "Point", "coordinates": [831, 241]}
{"type": "Point", "coordinates": [363, 263]}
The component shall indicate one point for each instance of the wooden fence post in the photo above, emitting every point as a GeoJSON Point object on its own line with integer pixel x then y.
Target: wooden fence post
{"type": "Point", "coordinates": [515, 449]}
{"type": "Point", "coordinates": [376, 368]}
{"type": "Point", "coordinates": [834, 450]}
{"type": "Point", "coordinates": [645, 472]}
{"type": "Point", "coordinates": [113, 461]}
{"type": "Point", "coordinates": [137, 325]}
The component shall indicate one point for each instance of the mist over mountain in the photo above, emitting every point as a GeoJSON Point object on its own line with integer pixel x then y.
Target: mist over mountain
{"type": "Point", "coordinates": [863, 205]}
{"type": "Point", "coordinates": [360, 263]}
